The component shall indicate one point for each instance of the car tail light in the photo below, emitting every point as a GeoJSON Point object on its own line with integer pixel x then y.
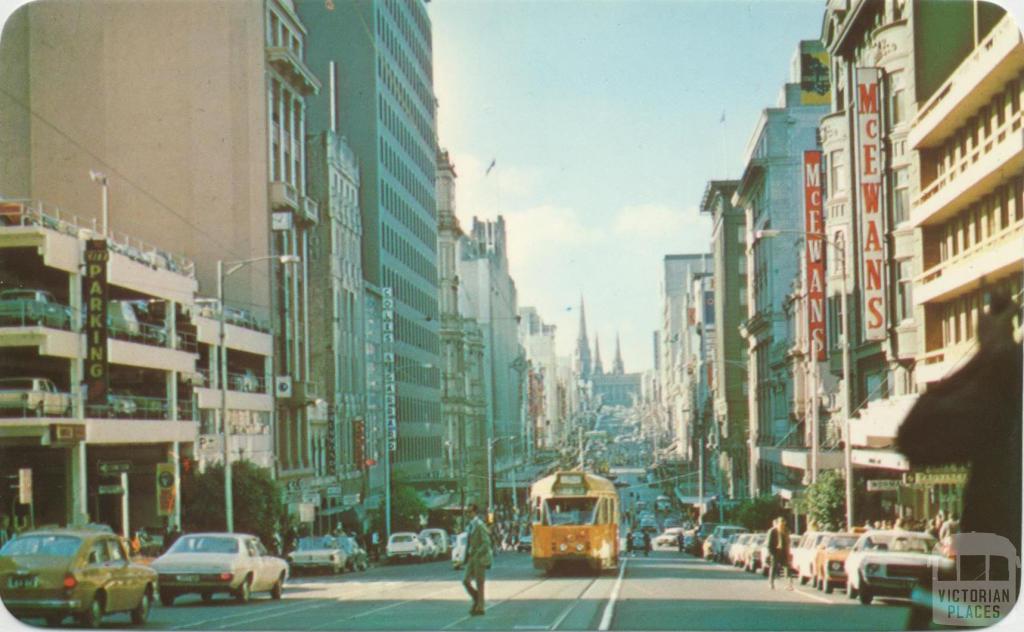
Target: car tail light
{"type": "Point", "coordinates": [225, 576]}
{"type": "Point", "coordinates": [70, 581]}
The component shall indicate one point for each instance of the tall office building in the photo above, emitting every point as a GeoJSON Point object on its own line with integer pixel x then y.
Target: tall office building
{"type": "Point", "coordinates": [384, 103]}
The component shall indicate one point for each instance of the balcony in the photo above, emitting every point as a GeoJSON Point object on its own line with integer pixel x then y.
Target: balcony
{"type": "Point", "coordinates": [978, 78]}
{"type": "Point", "coordinates": [879, 421]}
{"type": "Point", "coordinates": [833, 131]}
{"type": "Point", "coordinates": [991, 260]}
{"type": "Point", "coordinates": [974, 174]}
{"type": "Point", "coordinates": [287, 62]}
{"type": "Point", "coordinates": [310, 210]}
{"type": "Point", "coordinates": [284, 197]}
{"type": "Point", "coordinates": [940, 363]}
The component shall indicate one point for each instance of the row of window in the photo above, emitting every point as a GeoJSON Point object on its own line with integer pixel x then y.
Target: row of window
{"type": "Point", "coordinates": [396, 165]}
{"type": "Point", "coordinates": [407, 141]}
{"type": "Point", "coordinates": [394, 46]}
{"type": "Point", "coordinates": [982, 222]}
{"type": "Point", "coordinates": [423, 46]}
{"type": "Point", "coordinates": [408, 294]}
{"type": "Point", "coordinates": [959, 317]}
{"type": "Point", "coordinates": [281, 34]}
{"type": "Point", "coordinates": [418, 448]}
{"type": "Point", "coordinates": [396, 204]}
{"type": "Point", "coordinates": [404, 251]}
{"type": "Point", "coordinates": [424, 123]}
{"type": "Point", "coordinates": [287, 131]}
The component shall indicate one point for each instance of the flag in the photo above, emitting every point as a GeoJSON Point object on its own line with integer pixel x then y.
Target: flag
{"type": "Point", "coordinates": [722, 120]}
{"type": "Point", "coordinates": [491, 166]}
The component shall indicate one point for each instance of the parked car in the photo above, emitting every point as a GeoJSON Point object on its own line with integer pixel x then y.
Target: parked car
{"type": "Point", "coordinates": [672, 521]}
{"type": "Point", "coordinates": [649, 525]}
{"type": "Point", "coordinates": [85, 573]}
{"type": "Point", "coordinates": [719, 538]}
{"type": "Point", "coordinates": [318, 553]}
{"type": "Point", "coordinates": [829, 566]}
{"type": "Point", "coordinates": [753, 555]}
{"type": "Point", "coordinates": [428, 548]}
{"type": "Point", "coordinates": [804, 554]}
{"type": "Point", "coordinates": [890, 564]}
{"type": "Point", "coordinates": [439, 537]}
{"type": "Point", "coordinates": [404, 546]}
{"type": "Point", "coordinates": [211, 563]}
{"type": "Point", "coordinates": [702, 533]}
{"type": "Point", "coordinates": [668, 537]}
{"type": "Point", "coordinates": [33, 395]}
{"type": "Point", "coordinates": [459, 550]}
{"type": "Point", "coordinates": [33, 307]}
{"type": "Point", "coordinates": [525, 542]}
{"type": "Point", "coordinates": [121, 404]}
{"type": "Point", "coordinates": [794, 542]}
{"type": "Point", "coordinates": [735, 548]}
{"type": "Point", "coordinates": [663, 504]}
{"type": "Point", "coordinates": [356, 557]}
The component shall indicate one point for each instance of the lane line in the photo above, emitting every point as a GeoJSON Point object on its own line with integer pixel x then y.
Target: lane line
{"type": "Point", "coordinates": [609, 610]}
{"type": "Point", "coordinates": [494, 604]}
{"type": "Point", "coordinates": [816, 597]}
{"type": "Point", "coordinates": [572, 605]}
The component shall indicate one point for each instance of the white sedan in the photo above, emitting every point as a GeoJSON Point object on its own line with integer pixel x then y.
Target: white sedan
{"type": "Point", "coordinates": [459, 551]}
{"type": "Point", "coordinates": [404, 545]}
{"type": "Point", "coordinates": [210, 563]}
{"type": "Point", "coordinates": [319, 553]}
{"type": "Point", "coordinates": [890, 564]}
{"type": "Point", "coordinates": [668, 537]}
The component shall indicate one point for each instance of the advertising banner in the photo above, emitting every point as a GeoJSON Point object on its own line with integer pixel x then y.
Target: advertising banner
{"type": "Point", "coordinates": [96, 361]}
{"type": "Point", "coordinates": [871, 202]}
{"type": "Point", "coordinates": [814, 225]}
{"type": "Point", "coordinates": [390, 385]}
{"type": "Point", "coordinates": [164, 489]}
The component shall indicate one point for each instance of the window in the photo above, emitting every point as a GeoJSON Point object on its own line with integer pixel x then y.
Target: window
{"type": "Point", "coordinates": [905, 290]}
{"type": "Point", "coordinates": [741, 234]}
{"type": "Point", "coordinates": [901, 196]}
{"type": "Point", "coordinates": [897, 97]}
{"type": "Point", "coordinates": [98, 553]}
{"type": "Point", "coordinates": [743, 296]}
{"type": "Point", "coordinates": [741, 264]}
{"type": "Point", "coordinates": [836, 173]}
{"type": "Point", "coordinates": [117, 553]}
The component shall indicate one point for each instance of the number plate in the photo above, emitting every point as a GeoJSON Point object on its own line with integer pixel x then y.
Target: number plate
{"type": "Point", "coordinates": [22, 581]}
{"type": "Point", "coordinates": [187, 578]}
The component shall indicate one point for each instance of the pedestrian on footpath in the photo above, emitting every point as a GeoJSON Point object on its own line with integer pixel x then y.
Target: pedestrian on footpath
{"type": "Point", "coordinates": [479, 556]}
{"type": "Point", "coordinates": [778, 552]}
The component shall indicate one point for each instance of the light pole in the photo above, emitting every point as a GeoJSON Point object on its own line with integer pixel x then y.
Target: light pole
{"type": "Point", "coordinates": [490, 473]}
{"type": "Point", "coordinates": [387, 454]}
{"type": "Point", "coordinates": [100, 178]}
{"type": "Point", "coordinates": [225, 269]}
{"type": "Point", "coordinates": [844, 329]}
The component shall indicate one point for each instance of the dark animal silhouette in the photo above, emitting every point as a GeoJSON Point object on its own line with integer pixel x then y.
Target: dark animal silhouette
{"type": "Point", "coordinates": [973, 417]}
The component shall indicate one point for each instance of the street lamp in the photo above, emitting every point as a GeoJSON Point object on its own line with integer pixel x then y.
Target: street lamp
{"type": "Point", "coordinates": [490, 474]}
{"type": "Point", "coordinates": [225, 269]}
{"type": "Point", "coordinates": [100, 178]}
{"type": "Point", "coordinates": [387, 452]}
{"type": "Point", "coordinates": [844, 321]}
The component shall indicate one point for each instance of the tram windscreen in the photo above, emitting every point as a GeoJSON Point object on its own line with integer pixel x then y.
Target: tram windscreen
{"type": "Point", "coordinates": [565, 511]}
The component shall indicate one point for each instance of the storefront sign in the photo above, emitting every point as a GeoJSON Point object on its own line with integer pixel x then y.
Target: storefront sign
{"type": "Point", "coordinates": [359, 442]}
{"type": "Point", "coordinates": [925, 479]}
{"type": "Point", "coordinates": [883, 485]}
{"type": "Point", "coordinates": [113, 468]}
{"type": "Point", "coordinates": [96, 361]}
{"type": "Point", "coordinates": [390, 385]}
{"type": "Point", "coordinates": [164, 489]}
{"type": "Point", "coordinates": [25, 486]}
{"type": "Point", "coordinates": [110, 490]}
{"type": "Point", "coordinates": [67, 433]}
{"type": "Point", "coordinates": [871, 201]}
{"type": "Point", "coordinates": [814, 257]}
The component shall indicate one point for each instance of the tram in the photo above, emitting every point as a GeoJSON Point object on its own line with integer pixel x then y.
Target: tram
{"type": "Point", "coordinates": [575, 520]}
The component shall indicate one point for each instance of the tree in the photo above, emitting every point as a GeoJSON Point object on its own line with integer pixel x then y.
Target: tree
{"type": "Point", "coordinates": [406, 508]}
{"type": "Point", "coordinates": [756, 514]}
{"type": "Point", "coordinates": [258, 508]}
{"type": "Point", "coordinates": [824, 501]}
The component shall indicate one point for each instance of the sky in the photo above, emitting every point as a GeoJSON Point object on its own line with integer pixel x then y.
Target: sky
{"type": "Point", "coordinates": [604, 119]}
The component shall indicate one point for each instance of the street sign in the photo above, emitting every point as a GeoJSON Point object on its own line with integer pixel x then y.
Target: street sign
{"type": "Point", "coordinates": [25, 486]}
{"type": "Point", "coordinates": [111, 468]}
{"type": "Point", "coordinates": [883, 485]}
{"type": "Point", "coordinates": [164, 489]}
{"type": "Point", "coordinates": [110, 490]}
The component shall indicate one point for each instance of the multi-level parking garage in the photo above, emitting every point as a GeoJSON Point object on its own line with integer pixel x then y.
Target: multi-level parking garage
{"type": "Point", "coordinates": [162, 372]}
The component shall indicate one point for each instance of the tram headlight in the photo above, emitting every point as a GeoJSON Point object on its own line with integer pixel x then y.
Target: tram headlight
{"type": "Point", "coordinates": [579, 548]}
{"type": "Point", "coordinates": [562, 547]}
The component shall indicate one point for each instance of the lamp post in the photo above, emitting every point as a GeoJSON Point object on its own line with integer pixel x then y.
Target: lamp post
{"type": "Point", "coordinates": [387, 454]}
{"type": "Point", "coordinates": [490, 473]}
{"type": "Point", "coordinates": [844, 329]}
{"type": "Point", "coordinates": [225, 269]}
{"type": "Point", "coordinates": [100, 178]}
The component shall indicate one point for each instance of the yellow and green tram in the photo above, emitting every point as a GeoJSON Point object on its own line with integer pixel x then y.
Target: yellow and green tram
{"type": "Point", "coordinates": [575, 519]}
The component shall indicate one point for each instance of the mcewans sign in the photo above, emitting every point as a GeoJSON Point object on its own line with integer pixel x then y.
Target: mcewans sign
{"type": "Point", "coordinates": [814, 226]}
{"type": "Point", "coordinates": [869, 166]}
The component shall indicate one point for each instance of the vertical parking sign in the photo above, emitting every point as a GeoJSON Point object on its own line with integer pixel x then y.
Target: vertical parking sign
{"type": "Point", "coordinates": [96, 361]}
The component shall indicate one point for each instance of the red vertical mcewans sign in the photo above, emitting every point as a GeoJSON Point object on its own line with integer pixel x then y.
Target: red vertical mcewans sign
{"type": "Point", "coordinates": [814, 225]}
{"type": "Point", "coordinates": [871, 202]}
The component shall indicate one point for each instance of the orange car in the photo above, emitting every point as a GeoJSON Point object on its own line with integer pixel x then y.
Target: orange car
{"type": "Point", "coordinates": [55, 573]}
{"type": "Point", "coordinates": [828, 563]}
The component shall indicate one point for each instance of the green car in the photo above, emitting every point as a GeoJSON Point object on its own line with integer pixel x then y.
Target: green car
{"type": "Point", "coordinates": [23, 307]}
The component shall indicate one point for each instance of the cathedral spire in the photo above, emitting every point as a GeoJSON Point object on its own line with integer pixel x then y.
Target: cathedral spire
{"type": "Point", "coordinates": [582, 354]}
{"type": "Point", "coordinates": [618, 368]}
{"type": "Point", "coordinates": [598, 366]}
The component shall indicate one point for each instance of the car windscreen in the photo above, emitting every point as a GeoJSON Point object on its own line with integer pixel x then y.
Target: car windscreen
{"type": "Point", "coordinates": [312, 544]}
{"type": "Point", "coordinates": [402, 539]}
{"type": "Point", "coordinates": [49, 545]}
{"type": "Point", "coordinates": [347, 545]}
{"type": "Point", "coordinates": [17, 295]}
{"type": "Point", "coordinates": [563, 511]}
{"type": "Point", "coordinates": [842, 542]}
{"type": "Point", "coordinates": [205, 544]}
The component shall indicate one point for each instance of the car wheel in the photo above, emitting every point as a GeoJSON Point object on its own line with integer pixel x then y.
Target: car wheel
{"type": "Point", "coordinates": [167, 599]}
{"type": "Point", "coordinates": [141, 612]}
{"type": "Point", "coordinates": [93, 617]}
{"type": "Point", "coordinates": [40, 411]}
{"type": "Point", "coordinates": [206, 597]}
{"type": "Point", "coordinates": [54, 620]}
{"type": "Point", "coordinates": [828, 588]}
{"type": "Point", "coordinates": [244, 591]}
{"type": "Point", "coordinates": [337, 569]}
{"type": "Point", "coordinates": [865, 595]}
{"type": "Point", "coordinates": [278, 588]}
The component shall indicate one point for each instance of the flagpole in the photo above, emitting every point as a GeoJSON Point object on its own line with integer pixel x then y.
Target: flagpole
{"type": "Point", "coordinates": [721, 121]}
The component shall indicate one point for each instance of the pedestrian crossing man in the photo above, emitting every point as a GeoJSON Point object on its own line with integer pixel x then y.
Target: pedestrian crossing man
{"type": "Point", "coordinates": [479, 556]}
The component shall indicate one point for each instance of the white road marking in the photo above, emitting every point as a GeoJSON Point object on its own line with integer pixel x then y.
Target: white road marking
{"type": "Point", "coordinates": [572, 604]}
{"type": "Point", "coordinates": [815, 597]}
{"type": "Point", "coordinates": [609, 610]}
